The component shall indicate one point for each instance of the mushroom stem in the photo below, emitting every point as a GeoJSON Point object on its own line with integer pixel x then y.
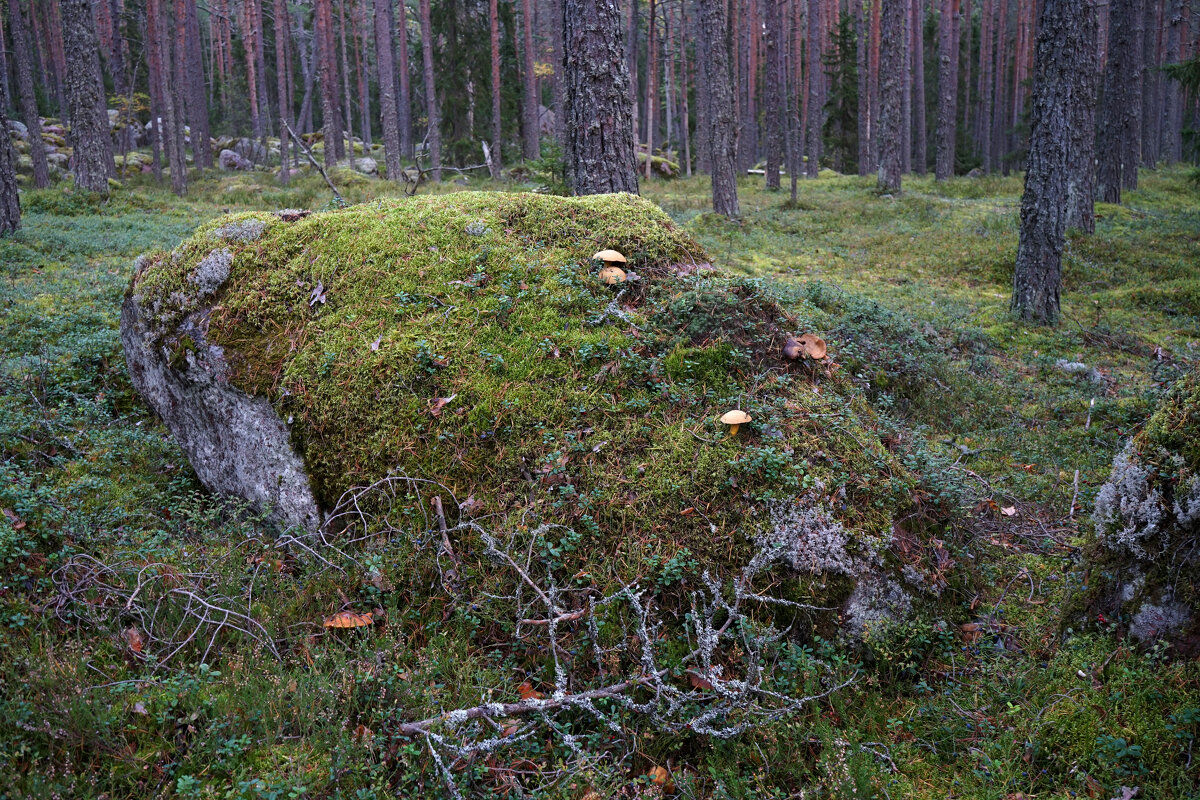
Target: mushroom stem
{"type": "Point", "coordinates": [733, 429]}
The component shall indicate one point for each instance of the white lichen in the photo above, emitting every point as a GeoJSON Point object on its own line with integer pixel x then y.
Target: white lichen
{"type": "Point", "coordinates": [212, 271]}
{"type": "Point", "coordinates": [806, 535]}
{"type": "Point", "coordinates": [876, 602]}
{"type": "Point", "coordinates": [1129, 507]}
{"type": "Point", "coordinates": [246, 230]}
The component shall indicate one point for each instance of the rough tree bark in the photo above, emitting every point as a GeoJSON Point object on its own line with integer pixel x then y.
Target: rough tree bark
{"type": "Point", "coordinates": [1081, 156]}
{"type": "Point", "coordinates": [23, 56]}
{"type": "Point", "coordinates": [600, 149]}
{"type": "Point", "coordinates": [431, 103]}
{"type": "Point", "coordinates": [652, 68]}
{"type": "Point", "coordinates": [920, 146]}
{"type": "Point", "coordinates": [815, 76]}
{"type": "Point", "coordinates": [722, 126]}
{"type": "Point", "coordinates": [864, 94]}
{"type": "Point", "coordinates": [405, 100]}
{"type": "Point", "coordinates": [385, 23]}
{"type": "Point", "coordinates": [1172, 94]}
{"type": "Point", "coordinates": [1062, 46]}
{"type": "Point", "coordinates": [327, 58]}
{"type": "Point", "coordinates": [93, 154]}
{"type": "Point", "coordinates": [947, 118]}
{"type": "Point", "coordinates": [282, 46]}
{"type": "Point", "coordinates": [774, 78]}
{"type": "Point", "coordinates": [172, 102]}
{"type": "Point", "coordinates": [497, 130]}
{"type": "Point", "coordinates": [10, 200]}
{"type": "Point", "coordinates": [1120, 114]}
{"type": "Point", "coordinates": [530, 143]}
{"type": "Point", "coordinates": [893, 51]}
{"type": "Point", "coordinates": [197, 96]}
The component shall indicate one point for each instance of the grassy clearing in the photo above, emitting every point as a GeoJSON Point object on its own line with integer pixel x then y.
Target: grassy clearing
{"type": "Point", "coordinates": [912, 292]}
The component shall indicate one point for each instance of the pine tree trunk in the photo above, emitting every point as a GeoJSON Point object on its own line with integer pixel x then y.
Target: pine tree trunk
{"type": "Point", "coordinates": [347, 102]}
{"type": "Point", "coordinates": [651, 84]}
{"type": "Point", "coordinates": [1173, 100]}
{"type": "Point", "coordinates": [999, 52]}
{"type": "Point", "coordinates": [497, 131]}
{"type": "Point", "coordinates": [875, 46]}
{"type": "Point", "coordinates": [197, 96]}
{"type": "Point", "coordinates": [983, 123]}
{"type": "Point", "coordinates": [947, 119]}
{"type": "Point", "coordinates": [1081, 124]}
{"type": "Point", "coordinates": [405, 100]}
{"type": "Point", "coordinates": [774, 78]}
{"type": "Point", "coordinates": [600, 157]}
{"type": "Point", "coordinates": [93, 154]}
{"type": "Point", "coordinates": [722, 125]}
{"type": "Point", "coordinates": [703, 97]}
{"type": "Point", "coordinates": [815, 77]}
{"type": "Point", "coordinates": [892, 54]}
{"type": "Point", "coordinates": [23, 57]}
{"type": "Point", "coordinates": [327, 58]}
{"type": "Point", "coordinates": [920, 123]}
{"type": "Point", "coordinates": [173, 105]}
{"type": "Point", "coordinates": [631, 56]}
{"type": "Point", "coordinates": [10, 199]}
{"type": "Point", "coordinates": [530, 145]}
{"type": "Point", "coordinates": [906, 96]}
{"type": "Point", "coordinates": [431, 103]}
{"type": "Point", "coordinates": [158, 142]}
{"type": "Point", "coordinates": [1120, 112]}
{"type": "Point", "coordinates": [1151, 84]}
{"type": "Point", "coordinates": [385, 23]}
{"type": "Point", "coordinates": [283, 30]}
{"type": "Point", "coordinates": [864, 94]}
{"type": "Point", "coordinates": [1062, 51]}
{"type": "Point", "coordinates": [360, 55]}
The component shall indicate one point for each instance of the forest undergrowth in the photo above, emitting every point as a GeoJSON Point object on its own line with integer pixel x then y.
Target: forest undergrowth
{"type": "Point", "coordinates": [1007, 698]}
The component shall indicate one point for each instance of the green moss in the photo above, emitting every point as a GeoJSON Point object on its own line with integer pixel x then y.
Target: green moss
{"type": "Point", "coordinates": [466, 339]}
{"type": "Point", "coordinates": [1174, 428]}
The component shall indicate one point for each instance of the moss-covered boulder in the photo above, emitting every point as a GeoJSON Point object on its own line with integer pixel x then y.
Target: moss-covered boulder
{"type": "Point", "coordinates": [466, 341]}
{"type": "Point", "coordinates": [1144, 570]}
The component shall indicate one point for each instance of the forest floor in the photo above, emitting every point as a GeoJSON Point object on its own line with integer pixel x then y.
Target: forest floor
{"type": "Point", "coordinates": [1031, 704]}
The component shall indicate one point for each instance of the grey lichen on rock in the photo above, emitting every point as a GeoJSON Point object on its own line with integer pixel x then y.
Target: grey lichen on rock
{"type": "Point", "coordinates": [1145, 558]}
{"type": "Point", "coordinates": [236, 443]}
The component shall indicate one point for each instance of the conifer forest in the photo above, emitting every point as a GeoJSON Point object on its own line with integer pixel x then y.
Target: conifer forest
{"type": "Point", "coordinates": [590, 399]}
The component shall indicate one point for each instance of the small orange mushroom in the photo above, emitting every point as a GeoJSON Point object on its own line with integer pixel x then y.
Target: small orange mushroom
{"type": "Point", "coordinates": [735, 419]}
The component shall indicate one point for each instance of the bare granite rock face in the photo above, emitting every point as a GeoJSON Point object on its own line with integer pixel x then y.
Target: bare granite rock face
{"type": "Point", "coordinates": [236, 443]}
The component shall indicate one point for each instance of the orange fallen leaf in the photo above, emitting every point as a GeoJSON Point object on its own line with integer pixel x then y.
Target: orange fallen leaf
{"type": "Point", "coordinates": [363, 734]}
{"type": "Point", "coordinates": [527, 692]}
{"type": "Point", "coordinates": [699, 682]}
{"type": "Point", "coordinates": [133, 637]}
{"type": "Point", "coordinates": [661, 778]}
{"type": "Point", "coordinates": [348, 619]}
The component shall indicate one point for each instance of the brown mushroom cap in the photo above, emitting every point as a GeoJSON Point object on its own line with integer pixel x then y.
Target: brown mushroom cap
{"type": "Point", "coordinates": [813, 345]}
{"type": "Point", "coordinates": [609, 256]}
{"type": "Point", "coordinates": [613, 275]}
{"type": "Point", "coordinates": [735, 417]}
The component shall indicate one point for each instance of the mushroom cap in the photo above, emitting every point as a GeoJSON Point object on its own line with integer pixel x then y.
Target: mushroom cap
{"type": "Point", "coordinates": [735, 417]}
{"type": "Point", "coordinates": [609, 255]}
{"type": "Point", "coordinates": [612, 275]}
{"type": "Point", "coordinates": [814, 346]}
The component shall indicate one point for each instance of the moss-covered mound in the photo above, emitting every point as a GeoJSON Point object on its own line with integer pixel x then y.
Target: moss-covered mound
{"type": "Point", "coordinates": [1145, 561]}
{"type": "Point", "coordinates": [467, 340]}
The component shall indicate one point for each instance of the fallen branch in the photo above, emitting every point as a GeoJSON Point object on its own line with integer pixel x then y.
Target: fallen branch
{"type": "Point", "coordinates": [308, 153]}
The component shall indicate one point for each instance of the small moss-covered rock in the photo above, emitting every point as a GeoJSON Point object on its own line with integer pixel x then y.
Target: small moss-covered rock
{"type": "Point", "coordinates": [466, 341]}
{"type": "Point", "coordinates": [1145, 559]}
